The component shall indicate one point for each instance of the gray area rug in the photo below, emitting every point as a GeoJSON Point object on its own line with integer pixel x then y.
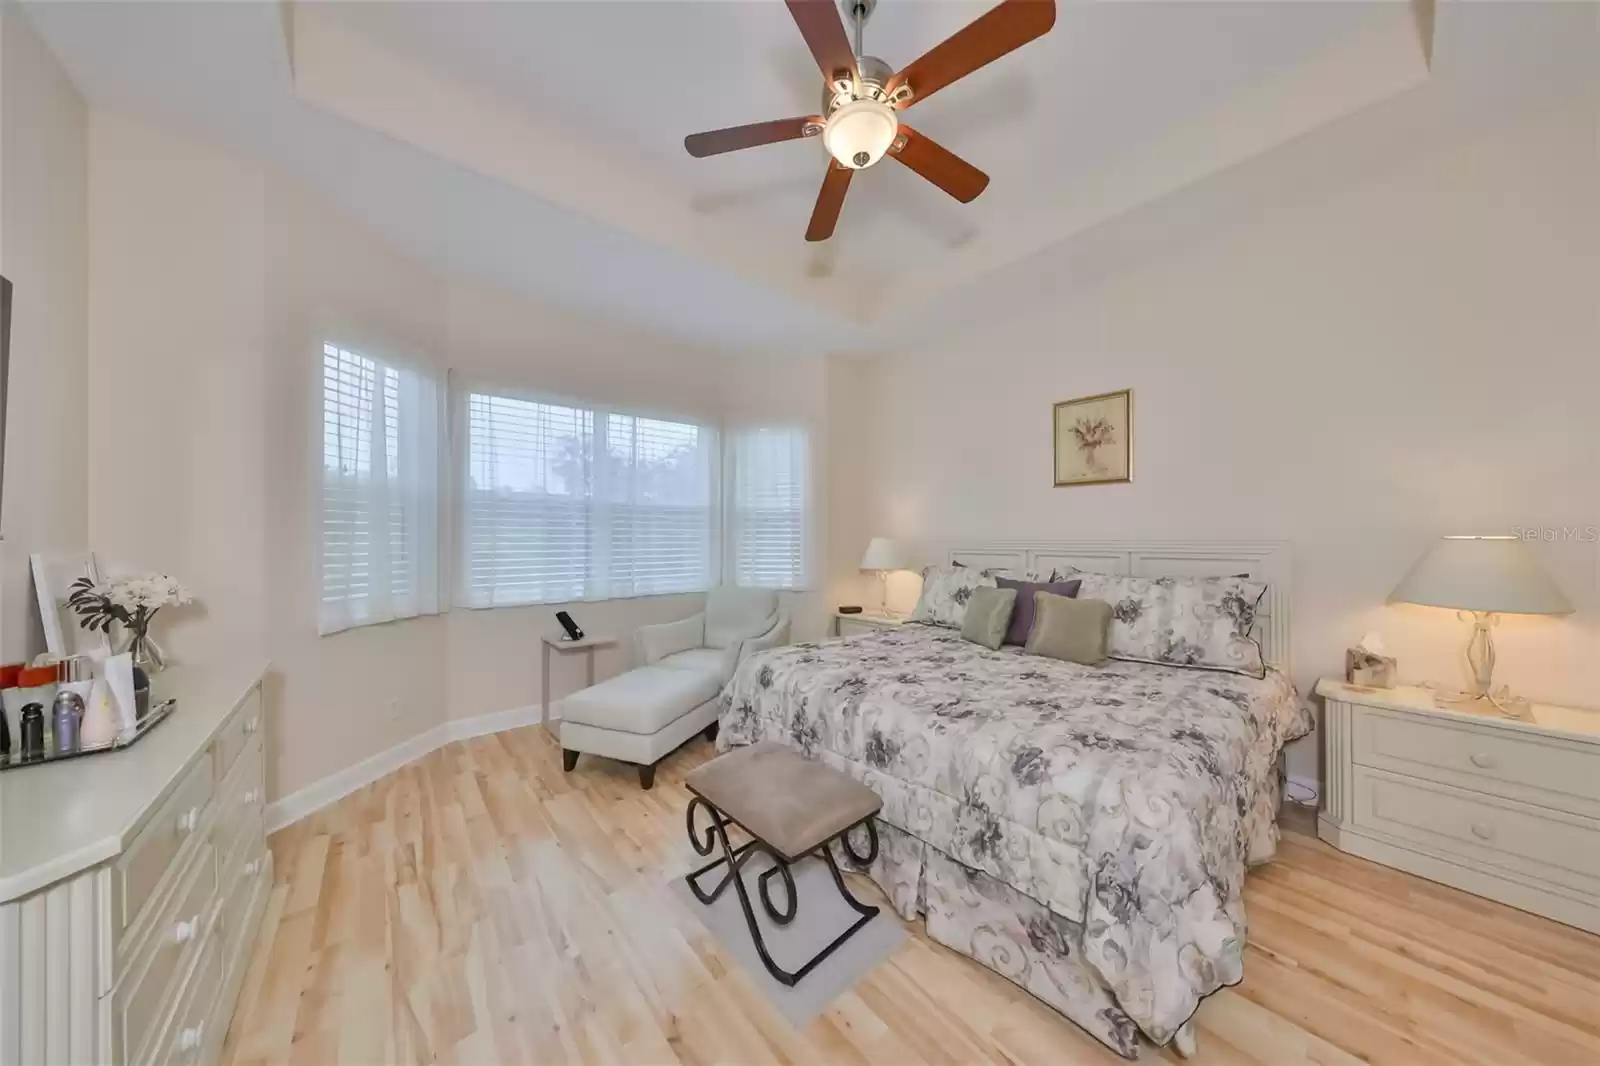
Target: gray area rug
{"type": "Point", "coordinates": [821, 916]}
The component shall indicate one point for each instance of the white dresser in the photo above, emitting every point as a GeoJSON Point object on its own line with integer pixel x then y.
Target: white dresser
{"type": "Point", "coordinates": [1502, 808]}
{"type": "Point", "coordinates": [131, 885]}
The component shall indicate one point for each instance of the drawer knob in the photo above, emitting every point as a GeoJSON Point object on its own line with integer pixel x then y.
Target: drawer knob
{"type": "Point", "coordinates": [1482, 831]}
{"type": "Point", "coordinates": [1483, 762]}
{"type": "Point", "coordinates": [192, 1038]}
{"type": "Point", "coordinates": [188, 820]}
{"type": "Point", "coordinates": [184, 932]}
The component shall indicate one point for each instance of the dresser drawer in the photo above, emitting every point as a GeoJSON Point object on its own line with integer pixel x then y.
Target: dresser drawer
{"type": "Point", "coordinates": [140, 870]}
{"type": "Point", "coordinates": [240, 803]}
{"type": "Point", "coordinates": [243, 886]}
{"type": "Point", "coordinates": [244, 725]}
{"type": "Point", "coordinates": [1497, 761]}
{"type": "Point", "coordinates": [1524, 841]}
{"type": "Point", "coordinates": [150, 986]}
{"type": "Point", "coordinates": [190, 1031]}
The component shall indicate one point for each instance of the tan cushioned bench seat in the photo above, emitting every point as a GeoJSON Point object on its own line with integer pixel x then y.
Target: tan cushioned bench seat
{"type": "Point", "coordinates": [780, 796]}
{"type": "Point", "coordinates": [646, 700]}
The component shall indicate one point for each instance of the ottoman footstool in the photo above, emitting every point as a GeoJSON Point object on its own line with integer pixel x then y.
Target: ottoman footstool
{"type": "Point", "coordinates": [791, 807]}
{"type": "Point", "coordinates": [638, 717]}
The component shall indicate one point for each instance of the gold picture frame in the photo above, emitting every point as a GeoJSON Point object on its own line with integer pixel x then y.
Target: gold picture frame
{"type": "Point", "coordinates": [1093, 438]}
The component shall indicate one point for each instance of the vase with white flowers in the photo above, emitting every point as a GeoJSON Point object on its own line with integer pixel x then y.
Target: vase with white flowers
{"type": "Point", "coordinates": [132, 600]}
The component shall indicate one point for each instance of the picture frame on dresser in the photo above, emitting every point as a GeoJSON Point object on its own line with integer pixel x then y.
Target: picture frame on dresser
{"type": "Point", "coordinates": [53, 575]}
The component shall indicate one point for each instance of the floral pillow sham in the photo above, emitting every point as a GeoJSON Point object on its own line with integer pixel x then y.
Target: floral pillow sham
{"type": "Point", "coordinates": [1206, 623]}
{"type": "Point", "coordinates": [946, 591]}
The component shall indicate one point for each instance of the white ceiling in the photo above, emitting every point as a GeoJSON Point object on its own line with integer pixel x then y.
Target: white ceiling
{"type": "Point", "coordinates": [552, 160]}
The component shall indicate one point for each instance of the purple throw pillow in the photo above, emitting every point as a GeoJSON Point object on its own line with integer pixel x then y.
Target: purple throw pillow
{"type": "Point", "coordinates": [1022, 614]}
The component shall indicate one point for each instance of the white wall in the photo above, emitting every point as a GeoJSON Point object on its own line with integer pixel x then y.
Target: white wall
{"type": "Point", "coordinates": [1377, 336]}
{"type": "Point", "coordinates": [43, 250]}
{"type": "Point", "coordinates": [177, 346]}
{"type": "Point", "coordinates": [337, 699]}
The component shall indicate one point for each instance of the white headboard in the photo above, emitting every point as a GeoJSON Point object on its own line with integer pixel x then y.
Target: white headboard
{"type": "Point", "coordinates": [1261, 560]}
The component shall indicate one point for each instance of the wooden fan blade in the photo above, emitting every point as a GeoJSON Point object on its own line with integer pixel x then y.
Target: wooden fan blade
{"type": "Point", "coordinates": [939, 165]}
{"type": "Point", "coordinates": [1002, 29]}
{"type": "Point", "coordinates": [823, 30]}
{"type": "Point", "coordinates": [715, 142]}
{"type": "Point", "coordinates": [829, 202]}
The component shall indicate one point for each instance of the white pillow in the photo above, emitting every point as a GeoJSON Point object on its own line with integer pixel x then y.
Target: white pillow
{"type": "Point", "coordinates": [1205, 623]}
{"type": "Point", "coordinates": [945, 593]}
{"type": "Point", "coordinates": [947, 589]}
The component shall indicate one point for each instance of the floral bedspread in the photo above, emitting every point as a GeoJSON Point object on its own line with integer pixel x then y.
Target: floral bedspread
{"type": "Point", "coordinates": [1126, 798]}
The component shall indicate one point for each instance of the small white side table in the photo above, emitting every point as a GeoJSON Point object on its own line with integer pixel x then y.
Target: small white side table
{"type": "Point", "coordinates": [848, 625]}
{"type": "Point", "coordinates": [563, 646]}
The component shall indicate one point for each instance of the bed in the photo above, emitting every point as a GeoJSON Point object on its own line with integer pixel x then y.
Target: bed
{"type": "Point", "coordinates": [1083, 831]}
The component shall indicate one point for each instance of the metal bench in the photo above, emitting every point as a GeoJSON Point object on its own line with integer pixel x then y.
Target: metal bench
{"type": "Point", "coordinates": [791, 808]}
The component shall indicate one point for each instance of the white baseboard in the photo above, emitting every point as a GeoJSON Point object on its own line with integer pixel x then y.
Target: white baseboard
{"type": "Point", "coordinates": [497, 722]}
{"type": "Point", "coordinates": [297, 805]}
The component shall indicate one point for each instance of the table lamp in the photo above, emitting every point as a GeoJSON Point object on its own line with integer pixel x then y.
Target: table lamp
{"type": "Point", "coordinates": [883, 555]}
{"type": "Point", "coordinates": [1481, 578]}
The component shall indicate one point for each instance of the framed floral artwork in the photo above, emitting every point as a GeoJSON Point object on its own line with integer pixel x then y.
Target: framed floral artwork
{"type": "Point", "coordinates": [1094, 439]}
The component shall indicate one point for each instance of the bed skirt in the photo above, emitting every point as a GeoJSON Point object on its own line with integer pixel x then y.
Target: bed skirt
{"type": "Point", "coordinates": [993, 924]}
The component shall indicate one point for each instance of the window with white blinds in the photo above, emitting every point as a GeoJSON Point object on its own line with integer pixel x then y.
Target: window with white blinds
{"type": "Point", "coordinates": [769, 508]}
{"type": "Point", "coordinates": [564, 503]}
{"type": "Point", "coordinates": [379, 556]}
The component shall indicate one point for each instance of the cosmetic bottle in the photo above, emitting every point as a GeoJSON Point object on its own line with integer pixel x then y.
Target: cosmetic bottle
{"type": "Point", "coordinates": [32, 732]}
{"type": "Point", "coordinates": [66, 721]}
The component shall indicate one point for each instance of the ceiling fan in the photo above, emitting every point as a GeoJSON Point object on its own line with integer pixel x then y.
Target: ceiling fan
{"type": "Point", "coordinates": [862, 97]}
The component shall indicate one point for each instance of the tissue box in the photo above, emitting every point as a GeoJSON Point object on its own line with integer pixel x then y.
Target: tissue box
{"type": "Point", "coordinates": [1368, 670]}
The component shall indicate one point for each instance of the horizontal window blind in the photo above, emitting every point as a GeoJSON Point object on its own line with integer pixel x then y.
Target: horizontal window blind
{"type": "Point", "coordinates": [565, 503]}
{"type": "Point", "coordinates": [770, 520]}
{"type": "Point", "coordinates": [379, 506]}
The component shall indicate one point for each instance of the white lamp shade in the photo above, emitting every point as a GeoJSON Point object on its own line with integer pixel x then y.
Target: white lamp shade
{"type": "Point", "coordinates": [1491, 574]}
{"type": "Point", "coordinates": [860, 132]}
{"type": "Point", "coordinates": [883, 554]}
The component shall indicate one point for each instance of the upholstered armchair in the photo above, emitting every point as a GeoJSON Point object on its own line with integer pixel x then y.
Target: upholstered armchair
{"type": "Point", "coordinates": [736, 622]}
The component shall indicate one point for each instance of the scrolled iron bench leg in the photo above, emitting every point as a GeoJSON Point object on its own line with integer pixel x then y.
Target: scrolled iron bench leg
{"type": "Point", "coordinates": [734, 858]}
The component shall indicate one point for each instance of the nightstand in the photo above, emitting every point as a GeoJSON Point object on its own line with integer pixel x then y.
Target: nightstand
{"type": "Point", "coordinates": [849, 625]}
{"type": "Point", "coordinates": [1504, 808]}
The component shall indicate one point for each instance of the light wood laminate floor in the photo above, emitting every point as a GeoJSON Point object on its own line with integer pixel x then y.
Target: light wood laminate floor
{"type": "Point", "coordinates": [478, 906]}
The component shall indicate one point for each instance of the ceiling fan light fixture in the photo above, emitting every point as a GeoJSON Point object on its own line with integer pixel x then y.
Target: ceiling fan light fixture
{"type": "Point", "coordinates": [859, 133]}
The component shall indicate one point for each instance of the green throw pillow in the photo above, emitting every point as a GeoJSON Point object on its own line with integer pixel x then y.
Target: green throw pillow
{"type": "Point", "coordinates": [988, 616]}
{"type": "Point", "coordinates": [1071, 629]}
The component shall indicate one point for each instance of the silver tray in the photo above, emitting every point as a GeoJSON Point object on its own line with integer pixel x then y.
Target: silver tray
{"type": "Point", "coordinates": [156, 715]}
